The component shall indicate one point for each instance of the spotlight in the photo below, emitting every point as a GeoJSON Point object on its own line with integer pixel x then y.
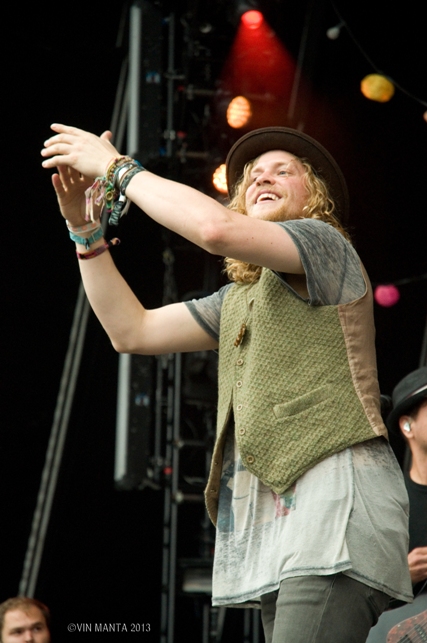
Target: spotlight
{"type": "Point", "coordinates": [219, 179]}
{"type": "Point", "coordinates": [252, 19]}
{"type": "Point", "coordinates": [239, 112]}
{"type": "Point", "coordinates": [248, 13]}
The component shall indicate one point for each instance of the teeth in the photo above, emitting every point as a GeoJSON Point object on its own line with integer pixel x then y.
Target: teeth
{"type": "Point", "coordinates": [267, 196]}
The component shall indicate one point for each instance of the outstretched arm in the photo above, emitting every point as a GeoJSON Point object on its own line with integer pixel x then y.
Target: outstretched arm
{"type": "Point", "coordinates": [178, 207]}
{"type": "Point", "coordinates": [130, 327]}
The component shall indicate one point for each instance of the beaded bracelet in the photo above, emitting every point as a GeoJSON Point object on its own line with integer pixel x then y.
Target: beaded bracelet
{"type": "Point", "coordinates": [98, 251]}
{"type": "Point", "coordinates": [87, 241]}
{"type": "Point", "coordinates": [114, 165]}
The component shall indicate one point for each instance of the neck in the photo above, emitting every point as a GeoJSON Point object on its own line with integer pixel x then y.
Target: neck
{"type": "Point", "coordinates": [418, 470]}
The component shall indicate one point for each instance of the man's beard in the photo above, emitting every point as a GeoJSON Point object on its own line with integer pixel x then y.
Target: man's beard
{"type": "Point", "coordinates": [281, 213]}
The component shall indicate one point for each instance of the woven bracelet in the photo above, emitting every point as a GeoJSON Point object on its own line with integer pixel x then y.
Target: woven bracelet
{"type": "Point", "coordinates": [87, 241]}
{"type": "Point", "coordinates": [129, 175]}
{"type": "Point", "coordinates": [98, 251]}
{"type": "Point", "coordinates": [121, 206]}
{"type": "Point", "coordinates": [91, 226]}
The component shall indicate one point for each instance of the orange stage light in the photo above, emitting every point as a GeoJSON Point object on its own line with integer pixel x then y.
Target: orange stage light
{"type": "Point", "coordinates": [219, 179]}
{"type": "Point", "coordinates": [239, 112]}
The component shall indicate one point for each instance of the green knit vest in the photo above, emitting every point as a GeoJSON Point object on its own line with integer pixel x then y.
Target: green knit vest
{"type": "Point", "coordinates": [288, 382]}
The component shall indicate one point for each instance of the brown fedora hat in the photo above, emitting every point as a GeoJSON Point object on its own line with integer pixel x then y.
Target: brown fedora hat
{"type": "Point", "coordinates": [259, 141]}
{"type": "Point", "coordinates": [406, 395]}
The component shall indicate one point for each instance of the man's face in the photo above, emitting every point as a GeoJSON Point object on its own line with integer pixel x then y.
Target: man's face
{"type": "Point", "coordinates": [27, 626]}
{"type": "Point", "coordinates": [277, 191]}
{"type": "Point", "coordinates": [419, 428]}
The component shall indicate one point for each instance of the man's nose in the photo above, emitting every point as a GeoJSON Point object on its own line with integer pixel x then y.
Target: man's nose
{"type": "Point", "coordinates": [265, 177]}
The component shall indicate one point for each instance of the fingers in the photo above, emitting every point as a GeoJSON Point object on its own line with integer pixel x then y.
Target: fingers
{"type": "Point", "coordinates": [58, 186]}
{"type": "Point", "coordinates": [56, 161]}
{"type": "Point", "coordinates": [107, 136]}
{"type": "Point", "coordinates": [66, 129]}
{"type": "Point", "coordinates": [84, 151]}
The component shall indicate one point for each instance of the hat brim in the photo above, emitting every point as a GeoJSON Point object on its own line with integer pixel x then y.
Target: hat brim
{"type": "Point", "coordinates": [403, 408]}
{"type": "Point", "coordinates": [259, 141]}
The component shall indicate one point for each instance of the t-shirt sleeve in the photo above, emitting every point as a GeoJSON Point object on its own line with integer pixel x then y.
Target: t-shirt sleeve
{"type": "Point", "coordinates": [332, 266]}
{"type": "Point", "coordinates": [207, 311]}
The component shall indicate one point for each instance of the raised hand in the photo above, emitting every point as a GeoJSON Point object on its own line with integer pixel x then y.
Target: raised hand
{"type": "Point", "coordinates": [70, 188]}
{"type": "Point", "coordinates": [87, 153]}
{"type": "Point", "coordinates": [417, 560]}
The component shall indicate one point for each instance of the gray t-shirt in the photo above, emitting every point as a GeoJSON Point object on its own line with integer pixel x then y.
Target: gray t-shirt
{"type": "Point", "coordinates": [331, 265]}
{"type": "Point", "coordinates": [348, 513]}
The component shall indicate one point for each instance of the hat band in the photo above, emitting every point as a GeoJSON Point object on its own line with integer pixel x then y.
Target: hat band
{"type": "Point", "coordinates": [419, 390]}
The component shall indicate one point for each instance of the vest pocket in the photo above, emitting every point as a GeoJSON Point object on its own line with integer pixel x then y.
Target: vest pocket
{"type": "Point", "coordinates": [303, 402]}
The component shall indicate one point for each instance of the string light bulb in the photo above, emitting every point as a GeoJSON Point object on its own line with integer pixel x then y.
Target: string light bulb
{"type": "Point", "coordinates": [387, 295]}
{"type": "Point", "coordinates": [333, 32]}
{"type": "Point", "coordinates": [239, 112]}
{"type": "Point", "coordinates": [377, 87]}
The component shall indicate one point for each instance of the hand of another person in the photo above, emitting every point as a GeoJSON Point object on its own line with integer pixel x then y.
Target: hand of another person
{"type": "Point", "coordinates": [417, 559]}
{"type": "Point", "coordinates": [70, 187]}
{"type": "Point", "coordinates": [87, 153]}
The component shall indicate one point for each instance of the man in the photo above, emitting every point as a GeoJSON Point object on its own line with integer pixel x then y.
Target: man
{"type": "Point", "coordinates": [409, 419]}
{"type": "Point", "coordinates": [409, 416]}
{"type": "Point", "coordinates": [304, 488]}
{"type": "Point", "coordinates": [24, 620]}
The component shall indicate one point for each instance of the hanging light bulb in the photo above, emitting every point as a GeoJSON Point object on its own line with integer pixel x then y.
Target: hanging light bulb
{"type": "Point", "coordinates": [387, 295]}
{"type": "Point", "coordinates": [333, 32]}
{"type": "Point", "coordinates": [377, 87]}
{"type": "Point", "coordinates": [219, 179]}
{"type": "Point", "coordinates": [239, 112]}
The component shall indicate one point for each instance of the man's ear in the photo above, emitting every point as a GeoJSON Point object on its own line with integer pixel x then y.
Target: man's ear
{"type": "Point", "coordinates": [405, 425]}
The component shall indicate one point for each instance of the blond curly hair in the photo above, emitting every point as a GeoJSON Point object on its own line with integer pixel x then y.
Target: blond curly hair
{"type": "Point", "coordinates": [319, 206]}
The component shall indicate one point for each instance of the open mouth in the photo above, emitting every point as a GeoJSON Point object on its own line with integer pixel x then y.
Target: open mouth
{"type": "Point", "coordinates": [267, 196]}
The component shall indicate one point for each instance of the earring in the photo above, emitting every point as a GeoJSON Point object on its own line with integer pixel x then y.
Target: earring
{"type": "Point", "coordinates": [406, 427]}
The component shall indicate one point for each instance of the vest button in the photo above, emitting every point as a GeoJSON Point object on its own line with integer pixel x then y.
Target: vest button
{"type": "Point", "coordinates": [239, 407]}
{"type": "Point", "coordinates": [239, 384]}
{"type": "Point", "coordinates": [250, 459]}
{"type": "Point", "coordinates": [242, 431]}
{"type": "Point", "coordinates": [239, 362]}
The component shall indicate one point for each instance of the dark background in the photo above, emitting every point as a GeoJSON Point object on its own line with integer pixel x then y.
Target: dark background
{"type": "Point", "coordinates": [61, 62]}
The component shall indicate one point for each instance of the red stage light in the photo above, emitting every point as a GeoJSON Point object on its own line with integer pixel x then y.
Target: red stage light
{"type": "Point", "coordinates": [252, 19]}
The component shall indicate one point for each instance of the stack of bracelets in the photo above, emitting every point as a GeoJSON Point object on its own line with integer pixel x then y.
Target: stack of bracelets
{"type": "Point", "coordinates": [108, 192]}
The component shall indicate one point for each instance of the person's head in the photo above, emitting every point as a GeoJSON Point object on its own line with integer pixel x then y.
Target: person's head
{"type": "Point", "coordinates": [24, 620]}
{"type": "Point", "coordinates": [409, 414]}
{"type": "Point", "coordinates": [278, 174]}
